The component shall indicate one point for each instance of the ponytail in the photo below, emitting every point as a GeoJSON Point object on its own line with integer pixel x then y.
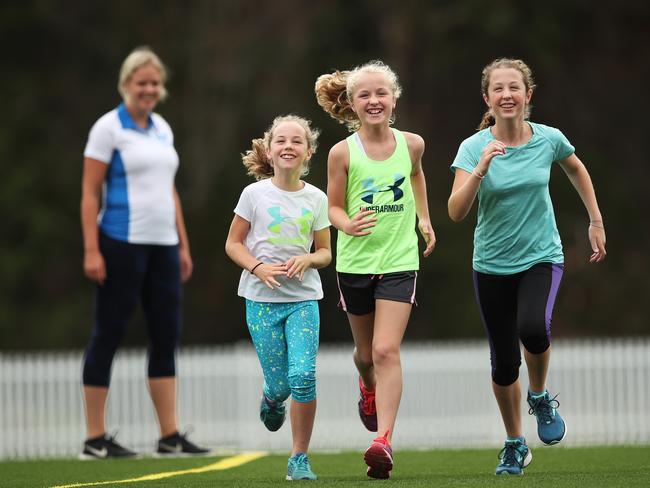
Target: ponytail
{"type": "Point", "coordinates": [332, 96]}
{"type": "Point", "coordinates": [487, 121]}
{"type": "Point", "coordinates": [256, 162]}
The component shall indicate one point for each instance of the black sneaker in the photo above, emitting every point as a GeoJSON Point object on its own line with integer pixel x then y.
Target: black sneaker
{"type": "Point", "coordinates": [103, 447]}
{"type": "Point", "coordinates": [178, 443]}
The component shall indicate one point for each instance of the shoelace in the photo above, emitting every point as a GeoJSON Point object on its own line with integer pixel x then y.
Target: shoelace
{"type": "Point", "coordinates": [273, 408]}
{"type": "Point", "coordinates": [368, 400]}
{"type": "Point", "coordinates": [369, 406]}
{"type": "Point", "coordinates": [110, 438]}
{"type": "Point", "coordinates": [302, 462]}
{"type": "Point", "coordinates": [383, 439]}
{"type": "Point", "coordinates": [508, 455]}
{"type": "Point", "coordinates": [544, 409]}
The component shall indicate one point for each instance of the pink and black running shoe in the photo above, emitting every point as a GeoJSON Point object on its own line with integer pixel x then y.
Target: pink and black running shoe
{"type": "Point", "coordinates": [379, 458]}
{"type": "Point", "coordinates": [367, 407]}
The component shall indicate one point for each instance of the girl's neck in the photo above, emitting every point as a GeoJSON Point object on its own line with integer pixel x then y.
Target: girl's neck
{"type": "Point", "coordinates": [378, 133]}
{"type": "Point", "coordinates": [287, 181]}
{"type": "Point", "coordinates": [512, 132]}
{"type": "Point", "coordinates": [141, 119]}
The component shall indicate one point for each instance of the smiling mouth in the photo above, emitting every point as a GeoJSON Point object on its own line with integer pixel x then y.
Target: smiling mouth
{"type": "Point", "coordinates": [287, 157]}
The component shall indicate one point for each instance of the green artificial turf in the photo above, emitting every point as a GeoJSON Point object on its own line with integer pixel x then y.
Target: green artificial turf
{"type": "Point", "coordinates": [597, 467]}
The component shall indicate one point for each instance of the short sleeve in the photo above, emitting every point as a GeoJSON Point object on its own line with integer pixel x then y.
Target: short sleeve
{"type": "Point", "coordinates": [100, 143]}
{"type": "Point", "coordinates": [466, 158]}
{"type": "Point", "coordinates": [244, 206]}
{"type": "Point", "coordinates": [563, 148]}
{"type": "Point", "coordinates": [321, 219]}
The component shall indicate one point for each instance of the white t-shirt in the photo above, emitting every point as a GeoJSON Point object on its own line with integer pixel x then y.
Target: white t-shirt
{"type": "Point", "coordinates": [282, 226]}
{"type": "Point", "coordinates": [138, 195]}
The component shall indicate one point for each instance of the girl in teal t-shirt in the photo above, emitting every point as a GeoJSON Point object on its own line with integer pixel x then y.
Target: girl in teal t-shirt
{"type": "Point", "coordinates": [518, 260]}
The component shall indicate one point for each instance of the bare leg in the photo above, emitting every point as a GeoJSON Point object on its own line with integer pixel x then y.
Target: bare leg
{"type": "Point", "coordinates": [509, 399]}
{"type": "Point", "coordinates": [362, 332]}
{"type": "Point", "coordinates": [302, 424]}
{"type": "Point", "coordinates": [163, 395]}
{"type": "Point", "coordinates": [95, 405]}
{"type": "Point", "coordinates": [391, 319]}
{"type": "Point", "coordinates": [537, 369]}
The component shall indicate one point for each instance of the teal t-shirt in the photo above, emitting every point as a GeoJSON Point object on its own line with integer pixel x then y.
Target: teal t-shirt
{"type": "Point", "coordinates": [515, 227]}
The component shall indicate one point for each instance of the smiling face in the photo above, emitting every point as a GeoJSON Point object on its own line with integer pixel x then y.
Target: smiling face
{"type": "Point", "coordinates": [288, 148]}
{"type": "Point", "coordinates": [372, 99]}
{"type": "Point", "coordinates": [143, 89]}
{"type": "Point", "coordinates": [507, 95]}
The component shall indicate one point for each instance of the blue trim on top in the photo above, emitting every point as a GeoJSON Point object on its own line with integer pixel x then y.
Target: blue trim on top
{"type": "Point", "coordinates": [127, 120]}
{"type": "Point", "coordinates": [116, 215]}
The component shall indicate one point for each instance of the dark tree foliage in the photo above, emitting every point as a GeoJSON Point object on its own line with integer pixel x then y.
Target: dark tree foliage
{"type": "Point", "coordinates": [235, 65]}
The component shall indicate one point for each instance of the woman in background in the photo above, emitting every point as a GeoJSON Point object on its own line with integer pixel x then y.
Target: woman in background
{"type": "Point", "coordinates": [135, 250]}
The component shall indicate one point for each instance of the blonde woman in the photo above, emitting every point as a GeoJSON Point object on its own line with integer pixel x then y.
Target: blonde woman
{"type": "Point", "coordinates": [135, 250]}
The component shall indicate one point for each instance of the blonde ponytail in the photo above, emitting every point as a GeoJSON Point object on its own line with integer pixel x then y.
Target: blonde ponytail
{"type": "Point", "coordinates": [256, 162]}
{"type": "Point", "coordinates": [331, 95]}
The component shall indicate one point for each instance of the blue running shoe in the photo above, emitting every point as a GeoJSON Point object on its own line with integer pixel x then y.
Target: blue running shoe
{"type": "Point", "coordinates": [272, 413]}
{"type": "Point", "coordinates": [514, 457]}
{"type": "Point", "coordinates": [551, 428]}
{"type": "Point", "coordinates": [298, 468]}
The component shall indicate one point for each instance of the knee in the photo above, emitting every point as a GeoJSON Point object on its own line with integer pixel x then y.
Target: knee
{"type": "Point", "coordinates": [303, 386]}
{"type": "Point", "coordinates": [278, 392]}
{"type": "Point", "coordinates": [362, 358]}
{"type": "Point", "coordinates": [105, 339]}
{"type": "Point", "coordinates": [505, 373]}
{"type": "Point", "coordinates": [534, 336]}
{"type": "Point", "coordinates": [383, 354]}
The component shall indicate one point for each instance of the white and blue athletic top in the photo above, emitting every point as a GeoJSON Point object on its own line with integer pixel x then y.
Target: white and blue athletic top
{"type": "Point", "coordinates": [138, 194]}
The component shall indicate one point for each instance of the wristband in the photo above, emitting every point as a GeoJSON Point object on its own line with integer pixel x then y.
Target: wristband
{"type": "Point", "coordinates": [253, 268]}
{"type": "Point", "coordinates": [477, 174]}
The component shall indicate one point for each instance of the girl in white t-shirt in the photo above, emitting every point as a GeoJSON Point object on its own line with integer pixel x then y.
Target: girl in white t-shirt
{"type": "Point", "coordinates": [277, 219]}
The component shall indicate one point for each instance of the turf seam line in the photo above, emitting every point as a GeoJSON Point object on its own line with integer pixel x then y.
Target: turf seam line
{"type": "Point", "coordinates": [226, 463]}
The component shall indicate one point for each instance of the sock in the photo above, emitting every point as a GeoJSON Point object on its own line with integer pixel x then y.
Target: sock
{"type": "Point", "coordinates": [521, 439]}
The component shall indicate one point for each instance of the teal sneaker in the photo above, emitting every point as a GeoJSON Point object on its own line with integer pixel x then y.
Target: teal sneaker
{"type": "Point", "coordinates": [551, 428]}
{"type": "Point", "coordinates": [272, 413]}
{"type": "Point", "coordinates": [298, 468]}
{"type": "Point", "coordinates": [514, 457]}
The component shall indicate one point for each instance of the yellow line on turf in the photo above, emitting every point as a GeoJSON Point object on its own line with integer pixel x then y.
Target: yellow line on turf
{"type": "Point", "coordinates": [227, 463]}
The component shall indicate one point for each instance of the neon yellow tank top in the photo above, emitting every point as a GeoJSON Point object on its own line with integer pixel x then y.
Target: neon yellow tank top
{"type": "Point", "coordinates": [383, 186]}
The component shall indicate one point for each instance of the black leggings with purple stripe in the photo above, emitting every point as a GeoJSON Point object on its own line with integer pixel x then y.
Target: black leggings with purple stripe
{"type": "Point", "coordinates": [513, 308]}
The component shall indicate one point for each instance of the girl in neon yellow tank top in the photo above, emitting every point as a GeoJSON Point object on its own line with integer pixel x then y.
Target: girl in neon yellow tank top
{"type": "Point", "coordinates": [375, 189]}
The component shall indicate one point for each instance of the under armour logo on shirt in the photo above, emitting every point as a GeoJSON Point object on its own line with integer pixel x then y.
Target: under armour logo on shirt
{"type": "Point", "coordinates": [370, 189]}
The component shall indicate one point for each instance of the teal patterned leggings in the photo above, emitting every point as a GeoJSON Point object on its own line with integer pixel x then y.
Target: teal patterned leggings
{"type": "Point", "coordinates": [285, 336]}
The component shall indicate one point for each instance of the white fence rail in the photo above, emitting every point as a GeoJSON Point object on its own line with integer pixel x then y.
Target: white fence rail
{"type": "Point", "coordinates": [604, 388]}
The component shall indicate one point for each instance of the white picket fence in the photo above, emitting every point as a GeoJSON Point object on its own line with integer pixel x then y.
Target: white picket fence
{"type": "Point", "coordinates": [604, 388]}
